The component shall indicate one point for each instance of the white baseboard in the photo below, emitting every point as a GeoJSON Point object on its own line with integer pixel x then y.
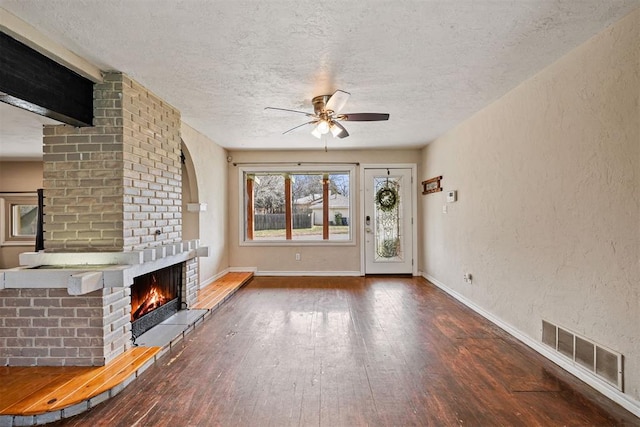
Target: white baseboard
{"type": "Point", "coordinates": [308, 273]}
{"type": "Point", "coordinates": [242, 269]}
{"type": "Point", "coordinates": [612, 393]}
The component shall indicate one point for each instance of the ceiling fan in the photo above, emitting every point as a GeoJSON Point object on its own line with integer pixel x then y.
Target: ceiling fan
{"type": "Point", "coordinates": [326, 115]}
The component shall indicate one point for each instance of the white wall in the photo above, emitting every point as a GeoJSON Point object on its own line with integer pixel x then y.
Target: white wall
{"type": "Point", "coordinates": [548, 217]}
{"type": "Point", "coordinates": [210, 169]}
{"type": "Point", "coordinates": [314, 259]}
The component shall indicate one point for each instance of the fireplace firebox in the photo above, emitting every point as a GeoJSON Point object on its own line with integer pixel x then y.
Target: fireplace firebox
{"type": "Point", "coordinates": [155, 297]}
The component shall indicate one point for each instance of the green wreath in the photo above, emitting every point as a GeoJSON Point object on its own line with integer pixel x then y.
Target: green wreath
{"type": "Point", "coordinates": [386, 199]}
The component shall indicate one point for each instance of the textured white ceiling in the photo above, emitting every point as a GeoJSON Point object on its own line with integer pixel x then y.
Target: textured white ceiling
{"type": "Point", "coordinates": [430, 64]}
{"type": "Point", "coordinates": [20, 133]}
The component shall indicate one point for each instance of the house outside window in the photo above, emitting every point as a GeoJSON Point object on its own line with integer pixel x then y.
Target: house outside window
{"type": "Point", "coordinates": [294, 205]}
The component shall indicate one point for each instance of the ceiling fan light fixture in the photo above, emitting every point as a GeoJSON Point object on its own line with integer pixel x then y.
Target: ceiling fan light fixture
{"type": "Point", "coordinates": [323, 127]}
{"type": "Point", "coordinates": [315, 132]}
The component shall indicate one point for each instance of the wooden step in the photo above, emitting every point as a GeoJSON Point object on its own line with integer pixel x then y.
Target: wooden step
{"type": "Point", "coordinates": [40, 389]}
{"type": "Point", "coordinates": [220, 290]}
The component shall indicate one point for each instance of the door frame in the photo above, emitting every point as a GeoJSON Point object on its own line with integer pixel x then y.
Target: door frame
{"type": "Point", "coordinates": [414, 210]}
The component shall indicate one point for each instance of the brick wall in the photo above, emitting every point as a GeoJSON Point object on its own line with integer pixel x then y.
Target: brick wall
{"type": "Point", "coordinates": [116, 322]}
{"type": "Point", "coordinates": [190, 282]}
{"type": "Point", "coordinates": [115, 186]}
{"type": "Point", "coordinates": [48, 327]}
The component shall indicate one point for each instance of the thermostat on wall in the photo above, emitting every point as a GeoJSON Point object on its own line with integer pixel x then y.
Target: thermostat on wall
{"type": "Point", "coordinates": [452, 196]}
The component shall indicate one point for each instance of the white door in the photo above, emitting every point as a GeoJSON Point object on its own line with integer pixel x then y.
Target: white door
{"type": "Point", "coordinates": [388, 230]}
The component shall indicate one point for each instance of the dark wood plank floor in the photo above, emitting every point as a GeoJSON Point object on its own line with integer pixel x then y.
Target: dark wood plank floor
{"type": "Point", "coordinates": [349, 352]}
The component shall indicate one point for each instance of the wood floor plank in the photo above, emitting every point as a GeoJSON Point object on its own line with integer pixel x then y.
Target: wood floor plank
{"type": "Point", "coordinates": [292, 351]}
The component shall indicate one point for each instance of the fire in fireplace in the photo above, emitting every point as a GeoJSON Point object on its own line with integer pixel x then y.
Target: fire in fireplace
{"type": "Point", "coordinates": [155, 297]}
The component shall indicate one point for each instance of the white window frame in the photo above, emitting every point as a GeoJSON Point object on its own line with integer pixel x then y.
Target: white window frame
{"type": "Point", "coordinates": [9, 222]}
{"type": "Point", "coordinates": [294, 169]}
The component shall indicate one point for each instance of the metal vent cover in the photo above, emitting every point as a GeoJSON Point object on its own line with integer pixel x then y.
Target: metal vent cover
{"type": "Point", "coordinates": [604, 363]}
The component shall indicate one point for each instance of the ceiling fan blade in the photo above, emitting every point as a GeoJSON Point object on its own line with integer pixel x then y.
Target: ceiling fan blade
{"type": "Point", "coordinates": [299, 126]}
{"type": "Point", "coordinates": [342, 134]}
{"type": "Point", "coordinates": [291, 111]}
{"type": "Point", "coordinates": [363, 117]}
{"type": "Point", "coordinates": [337, 101]}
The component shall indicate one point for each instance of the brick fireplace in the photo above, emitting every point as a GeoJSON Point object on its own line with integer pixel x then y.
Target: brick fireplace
{"type": "Point", "coordinates": [113, 198]}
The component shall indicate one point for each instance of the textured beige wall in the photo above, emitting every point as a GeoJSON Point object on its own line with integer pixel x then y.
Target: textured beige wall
{"type": "Point", "coordinates": [210, 169]}
{"type": "Point", "coordinates": [18, 176]}
{"type": "Point", "coordinates": [548, 217]}
{"type": "Point", "coordinates": [313, 258]}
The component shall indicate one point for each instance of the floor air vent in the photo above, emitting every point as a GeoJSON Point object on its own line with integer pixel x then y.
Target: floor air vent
{"type": "Point", "coordinates": [604, 363]}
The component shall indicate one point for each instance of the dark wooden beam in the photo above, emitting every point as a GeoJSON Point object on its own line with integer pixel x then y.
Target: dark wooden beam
{"type": "Point", "coordinates": [32, 81]}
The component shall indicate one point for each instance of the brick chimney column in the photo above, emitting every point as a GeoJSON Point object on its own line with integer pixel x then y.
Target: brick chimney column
{"type": "Point", "coordinates": [115, 186]}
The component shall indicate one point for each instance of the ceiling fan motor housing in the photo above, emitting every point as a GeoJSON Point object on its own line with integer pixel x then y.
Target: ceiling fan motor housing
{"type": "Point", "coordinates": [319, 102]}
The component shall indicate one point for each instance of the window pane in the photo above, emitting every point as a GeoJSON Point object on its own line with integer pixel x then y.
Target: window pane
{"type": "Point", "coordinates": [339, 206]}
{"type": "Point", "coordinates": [25, 220]}
{"type": "Point", "coordinates": [306, 191]}
{"type": "Point", "coordinates": [268, 207]}
{"type": "Point", "coordinates": [268, 220]}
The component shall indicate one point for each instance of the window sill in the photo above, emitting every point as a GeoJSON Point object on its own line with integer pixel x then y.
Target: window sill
{"type": "Point", "coordinates": [289, 243]}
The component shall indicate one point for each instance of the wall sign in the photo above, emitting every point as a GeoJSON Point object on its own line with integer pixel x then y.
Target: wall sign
{"type": "Point", "coordinates": [431, 185]}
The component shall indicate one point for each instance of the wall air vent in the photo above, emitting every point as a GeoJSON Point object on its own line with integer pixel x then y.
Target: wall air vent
{"type": "Point", "coordinates": [598, 360]}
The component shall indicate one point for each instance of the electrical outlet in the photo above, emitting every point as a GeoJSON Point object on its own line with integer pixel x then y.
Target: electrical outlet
{"type": "Point", "coordinates": [468, 278]}
{"type": "Point", "coordinates": [297, 257]}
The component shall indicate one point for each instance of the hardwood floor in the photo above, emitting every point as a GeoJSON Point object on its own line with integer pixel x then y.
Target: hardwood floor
{"type": "Point", "coordinates": [352, 351]}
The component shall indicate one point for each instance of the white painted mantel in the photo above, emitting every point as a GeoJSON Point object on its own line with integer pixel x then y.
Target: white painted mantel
{"type": "Point", "coordinates": [85, 272]}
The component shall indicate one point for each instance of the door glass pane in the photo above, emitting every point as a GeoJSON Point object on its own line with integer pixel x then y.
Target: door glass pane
{"type": "Point", "coordinates": [388, 219]}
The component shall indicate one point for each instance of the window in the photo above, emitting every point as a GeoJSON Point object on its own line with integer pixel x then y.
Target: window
{"type": "Point", "coordinates": [301, 205]}
{"type": "Point", "coordinates": [19, 218]}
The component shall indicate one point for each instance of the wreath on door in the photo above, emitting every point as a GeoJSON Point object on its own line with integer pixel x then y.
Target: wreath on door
{"type": "Point", "coordinates": [386, 198]}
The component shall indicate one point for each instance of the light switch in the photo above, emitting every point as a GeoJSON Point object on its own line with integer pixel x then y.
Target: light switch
{"type": "Point", "coordinates": [444, 208]}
